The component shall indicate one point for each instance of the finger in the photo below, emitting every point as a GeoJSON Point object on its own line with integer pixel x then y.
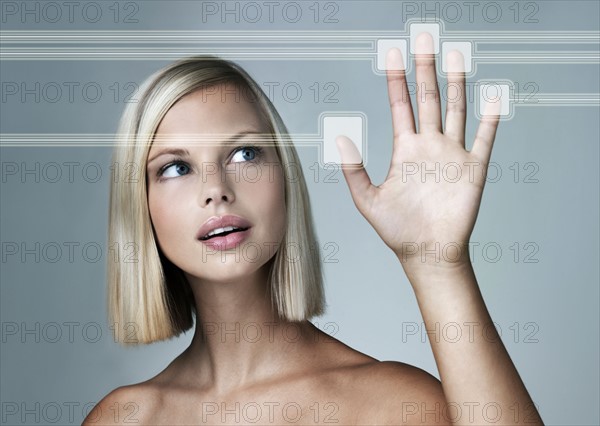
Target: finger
{"type": "Point", "coordinates": [456, 105]}
{"type": "Point", "coordinates": [355, 174]}
{"type": "Point", "coordinates": [403, 120]}
{"type": "Point", "coordinates": [428, 94]}
{"type": "Point", "coordinates": [486, 132]}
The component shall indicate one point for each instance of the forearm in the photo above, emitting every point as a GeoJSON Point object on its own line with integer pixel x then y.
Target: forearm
{"type": "Point", "coordinates": [476, 371]}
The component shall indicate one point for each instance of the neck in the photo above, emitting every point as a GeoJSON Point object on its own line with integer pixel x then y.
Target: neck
{"type": "Point", "coordinates": [239, 338]}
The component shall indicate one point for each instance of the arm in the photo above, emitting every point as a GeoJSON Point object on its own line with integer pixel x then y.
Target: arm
{"type": "Point", "coordinates": [475, 370]}
{"type": "Point", "coordinates": [426, 217]}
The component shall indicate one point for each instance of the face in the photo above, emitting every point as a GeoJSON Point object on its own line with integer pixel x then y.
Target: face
{"type": "Point", "coordinates": [203, 164]}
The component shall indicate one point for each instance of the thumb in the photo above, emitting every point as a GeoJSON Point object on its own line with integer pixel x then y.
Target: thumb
{"type": "Point", "coordinates": [354, 172]}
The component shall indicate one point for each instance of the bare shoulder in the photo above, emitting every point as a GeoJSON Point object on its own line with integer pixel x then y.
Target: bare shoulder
{"type": "Point", "coordinates": [381, 376]}
{"type": "Point", "coordinates": [413, 381]}
{"type": "Point", "coordinates": [384, 392]}
{"type": "Point", "coordinates": [393, 392]}
{"type": "Point", "coordinates": [125, 405]}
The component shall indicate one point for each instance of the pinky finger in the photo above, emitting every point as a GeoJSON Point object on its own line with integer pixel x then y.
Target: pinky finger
{"type": "Point", "coordinates": [486, 132]}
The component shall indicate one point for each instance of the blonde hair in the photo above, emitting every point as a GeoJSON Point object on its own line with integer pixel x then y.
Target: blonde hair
{"type": "Point", "coordinates": [148, 295]}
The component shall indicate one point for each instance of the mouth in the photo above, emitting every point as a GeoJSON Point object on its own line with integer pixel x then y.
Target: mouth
{"type": "Point", "coordinates": [221, 232]}
{"type": "Point", "coordinates": [224, 232]}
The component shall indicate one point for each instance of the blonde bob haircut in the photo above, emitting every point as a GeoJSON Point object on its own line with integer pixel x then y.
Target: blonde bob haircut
{"type": "Point", "coordinates": [149, 298]}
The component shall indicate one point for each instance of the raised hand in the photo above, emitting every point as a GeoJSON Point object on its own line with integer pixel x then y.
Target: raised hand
{"type": "Point", "coordinates": [432, 192]}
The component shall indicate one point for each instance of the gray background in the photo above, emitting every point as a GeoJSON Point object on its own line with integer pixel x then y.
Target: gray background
{"type": "Point", "coordinates": [552, 303]}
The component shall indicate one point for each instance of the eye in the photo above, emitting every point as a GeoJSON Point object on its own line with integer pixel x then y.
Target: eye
{"type": "Point", "coordinates": [174, 169]}
{"type": "Point", "coordinates": [246, 153]}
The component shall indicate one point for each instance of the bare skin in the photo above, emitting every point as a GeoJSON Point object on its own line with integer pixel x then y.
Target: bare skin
{"type": "Point", "coordinates": [295, 373]}
{"type": "Point", "coordinates": [322, 382]}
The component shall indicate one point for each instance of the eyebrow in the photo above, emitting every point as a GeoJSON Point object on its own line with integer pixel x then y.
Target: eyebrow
{"type": "Point", "coordinates": [183, 152]}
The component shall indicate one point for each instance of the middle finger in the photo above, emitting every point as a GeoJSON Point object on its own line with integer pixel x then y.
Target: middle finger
{"type": "Point", "coordinates": [428, 94]}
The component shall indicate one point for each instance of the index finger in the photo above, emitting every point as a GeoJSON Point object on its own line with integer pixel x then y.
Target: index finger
{"type": "Point", "coordinates": [403, 120]}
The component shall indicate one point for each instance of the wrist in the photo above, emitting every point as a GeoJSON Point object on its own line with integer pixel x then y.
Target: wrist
{"type": "Point", "coordinates": [431, 279]}
{"type": "Point", "coordinates": [437, 265]}
{"type": "Point", "coordinates": [434, 256]}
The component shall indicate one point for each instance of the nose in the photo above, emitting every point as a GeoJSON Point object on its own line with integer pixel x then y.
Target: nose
{"type": "Point", "coordinates": [215, 188]}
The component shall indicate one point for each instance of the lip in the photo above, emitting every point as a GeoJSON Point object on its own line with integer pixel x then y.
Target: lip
{"type": "Point", "coordinates": [227, 241]}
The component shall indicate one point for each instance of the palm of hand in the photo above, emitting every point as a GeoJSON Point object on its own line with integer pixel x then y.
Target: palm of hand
{"type": "Point", "coordinates": [432, 192]}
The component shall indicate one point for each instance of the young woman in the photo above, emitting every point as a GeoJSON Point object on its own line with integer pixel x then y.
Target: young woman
{"type": "Point", "coordinates": [223, 229]}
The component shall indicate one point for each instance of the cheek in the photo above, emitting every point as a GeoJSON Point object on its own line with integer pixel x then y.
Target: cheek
{"type": "Point", "coordinates": [156, 215]}
{"type": "Point", "coordinates": [163, 215]}
{"type": "Point", "coordinates": [264, 195]}
{"type": "Point", "coordinates": [274, 201]}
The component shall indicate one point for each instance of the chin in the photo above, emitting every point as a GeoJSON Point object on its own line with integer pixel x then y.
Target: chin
{"type": "Point", "coordinates": [230, 269]}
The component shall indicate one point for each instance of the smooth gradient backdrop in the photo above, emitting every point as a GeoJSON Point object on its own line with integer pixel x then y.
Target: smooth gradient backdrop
{"type": "Point", "coordinates": [535, 243]}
